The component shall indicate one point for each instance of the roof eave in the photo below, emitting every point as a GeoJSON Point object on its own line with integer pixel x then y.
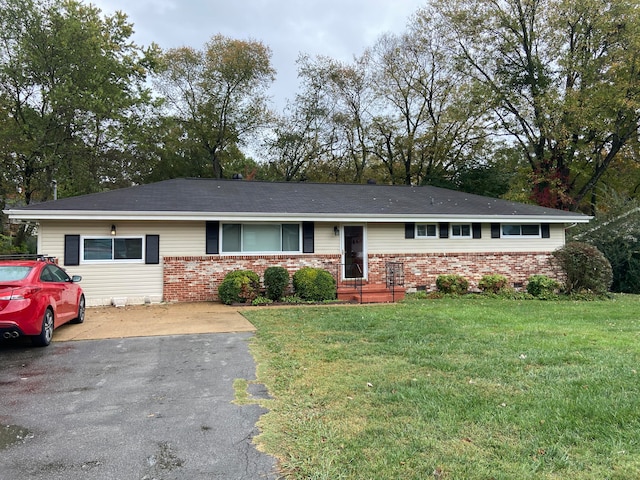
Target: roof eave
{"type": "Point", "coordinates": [80, 215]}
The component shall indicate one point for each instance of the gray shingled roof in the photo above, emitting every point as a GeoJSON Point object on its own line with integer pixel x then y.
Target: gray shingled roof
{"type": "Point", "coordinates": [270, 198]}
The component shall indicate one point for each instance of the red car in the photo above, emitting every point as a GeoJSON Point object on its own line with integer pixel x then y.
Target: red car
{"type": "Point", "coordinates": [37, 296]}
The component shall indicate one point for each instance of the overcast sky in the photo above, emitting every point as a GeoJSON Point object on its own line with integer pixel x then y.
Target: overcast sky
{"type": "Point", "coordinates": [339, 29]}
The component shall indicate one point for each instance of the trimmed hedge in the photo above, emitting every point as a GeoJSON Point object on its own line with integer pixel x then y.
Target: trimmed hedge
{"type": "Point", "coordinates": [276, 281]}
{"type": "Point", "coordinates": [239, 286]}
{"type": "Point", "coordinates": [543, 287]}
{"type": "Point", "coordinates": [314, 284]}
{"type": "Point", "coordinates": [452, 284]}
{"type": "Point", "coordinates": [495, 283]}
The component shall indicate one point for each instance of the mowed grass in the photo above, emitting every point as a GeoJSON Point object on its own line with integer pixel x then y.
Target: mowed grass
{"type": "Point", "coordinates": [452, 389]}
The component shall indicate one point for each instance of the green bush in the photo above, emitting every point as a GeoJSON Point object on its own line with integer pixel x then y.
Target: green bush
{"type": "Point", "coordinates": [494, 284]}
{"type": "Point", "coordinates": [314, 284]}
{"type": "Point", "coordinates": [276, 281]}
{"type": "Point", "coordinates": [239, 286]}
{"type": "Point", "coordinates": [452, 284]}
{"type": "Point", "coordinates": [543, 287]}
{"type": "Point", "coordinates": [586, 269]}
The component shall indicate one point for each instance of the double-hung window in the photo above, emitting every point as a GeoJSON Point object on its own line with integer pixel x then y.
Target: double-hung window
{"type": "Point", "coordinates": [125, 249]}
{"type": "Point", "coordinates": [429, 230]}
{"type": "Point", "coordinates": [520, 231]}
{"type": "Point", "coordinates": [461, 230]}
{"type": "Point", "coordinates": [260, 237]}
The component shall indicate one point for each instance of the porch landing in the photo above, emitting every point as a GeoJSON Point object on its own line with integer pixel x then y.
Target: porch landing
{"type": "Point", "coordinates": [370, 293]}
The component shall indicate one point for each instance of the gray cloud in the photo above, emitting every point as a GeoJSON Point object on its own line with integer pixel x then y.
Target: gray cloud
{"type": "Point", "coordinates": [337, 28]}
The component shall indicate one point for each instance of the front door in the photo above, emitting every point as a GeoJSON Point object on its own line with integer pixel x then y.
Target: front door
{"type": "Point", "coordinates": [355, 258]}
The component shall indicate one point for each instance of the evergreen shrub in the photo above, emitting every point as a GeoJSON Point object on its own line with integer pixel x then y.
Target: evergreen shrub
{"type": "Point", "coordinates": [239, 286]}
{"type": "Point", "coordinates": [586, 269]}
{"type": "Point", "coordinates": [314, 284]}
{"type": "Point", "coordinates": [543, 287]}
{"type": "Point", "coordinates": [495, 283]}
{"type": "Point", "coordinates": [452, 284]}
{"type": "Point", "coordinates": [276, 281]}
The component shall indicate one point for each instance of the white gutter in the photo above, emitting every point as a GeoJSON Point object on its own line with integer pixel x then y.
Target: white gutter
{"type": "Point", "coordinates": [36, 215]}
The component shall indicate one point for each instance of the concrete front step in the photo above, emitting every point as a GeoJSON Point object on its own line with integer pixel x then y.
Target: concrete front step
{"type": "Point", "coordinates": [370, 293]}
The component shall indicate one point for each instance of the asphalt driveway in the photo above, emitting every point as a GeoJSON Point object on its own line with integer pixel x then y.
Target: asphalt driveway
{"type": "Point", "coordinates": [157, 407]}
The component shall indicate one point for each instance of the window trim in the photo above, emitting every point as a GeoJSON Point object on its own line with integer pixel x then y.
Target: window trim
{"type": "Point", "coordinates": [260, 252]}
{"type": "Point", "coordinates": [520, 235]}
{"type": "Point", "coordinates": [426, 225]}
{"type": "Point", "coordinates": [461, 237]}
{"type": "Point", "coordinates": [112, 260]}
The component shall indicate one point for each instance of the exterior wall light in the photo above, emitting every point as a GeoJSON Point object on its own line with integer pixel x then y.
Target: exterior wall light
{"type": "Point", "coordinates": [113, 230]}
{"type": "Point", "coordinates": [336, 231]}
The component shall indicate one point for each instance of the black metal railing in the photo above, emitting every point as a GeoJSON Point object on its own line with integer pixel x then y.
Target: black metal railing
{"type": "Point", "coordinates": [394, 276]}
{"type": "Point", "coordinates": [355, 278]}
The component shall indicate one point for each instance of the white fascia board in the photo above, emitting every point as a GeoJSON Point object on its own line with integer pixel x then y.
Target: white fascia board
{"type": "Point", "coordinates": [36, 215]}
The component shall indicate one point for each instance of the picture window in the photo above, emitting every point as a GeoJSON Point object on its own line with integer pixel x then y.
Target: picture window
{"type": "Point", "coordinates": [260, 238]}
{"type": "Point", "coordinates": [112, 249]}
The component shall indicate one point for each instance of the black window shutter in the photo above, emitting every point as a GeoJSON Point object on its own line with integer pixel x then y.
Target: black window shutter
{"type": "Point", "coordinates": [477, 230]}
{"type": "Point", "coordinates": [444, 230]}
{"type": "Point", "coordinates": [495, 230]}
{"type": "Point", "coordinates": [409, 230]}
{"type": "Point", "coordinates": [213, 232]}
{"type": "Point", "coordinates": [307, 237]}
{"type": "Point", "coordinates": [72, 249]}
{"type": "Point", "coordinates": [546, 231]}
{"type": "Point", "coordinates": [152, 249]}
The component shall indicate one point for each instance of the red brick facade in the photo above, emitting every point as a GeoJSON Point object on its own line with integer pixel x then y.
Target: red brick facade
{"type": "Point", "coordinates": [193, 279]}
{"type": "Point", "coordinates": [196, 279]}
{"type": "Point", "coordinates": [421, 270]}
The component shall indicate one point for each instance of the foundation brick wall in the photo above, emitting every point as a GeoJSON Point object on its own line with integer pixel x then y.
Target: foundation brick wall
{"type": "Point", "coordinates": [421, 271]}
{"type": "Point", "coordinates": [196, 279]}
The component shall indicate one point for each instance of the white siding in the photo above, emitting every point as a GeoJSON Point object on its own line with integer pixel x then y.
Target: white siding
{"type": "Point", "coordinates": [139, 283]}
{"type": "Point", "coordinates": [176, 238]}
{"type": "Point", "coordinates": [131, 283]}
{"type": "Point", "coordinates": [136, 282]}
{"type": "Point", "coordinates": [326, 242]}
{"type": "Point", "coordinates": [389, 239]}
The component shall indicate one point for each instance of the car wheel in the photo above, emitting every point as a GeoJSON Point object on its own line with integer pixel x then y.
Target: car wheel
{"type": "Point", "coordinates": [46, 334]}
{"type": "Point", "coordinates": [81, 309]}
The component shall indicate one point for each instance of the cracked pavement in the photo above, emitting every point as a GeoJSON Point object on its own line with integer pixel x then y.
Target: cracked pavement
{"type": "Point", "coordinates": [150, 408]}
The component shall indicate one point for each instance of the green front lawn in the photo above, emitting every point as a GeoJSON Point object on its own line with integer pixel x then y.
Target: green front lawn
{"type": "Point", "coordinates": [452, 389]}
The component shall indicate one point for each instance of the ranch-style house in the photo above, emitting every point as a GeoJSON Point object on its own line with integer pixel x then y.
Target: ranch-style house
{"type": "Point", "coordinates": [175, 240]}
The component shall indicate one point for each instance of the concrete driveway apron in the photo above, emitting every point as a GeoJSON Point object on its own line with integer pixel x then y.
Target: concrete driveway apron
{"type": "Point", "coordinates": [157, 407]}
{"type": "Point", "coordinates": [156, 319]}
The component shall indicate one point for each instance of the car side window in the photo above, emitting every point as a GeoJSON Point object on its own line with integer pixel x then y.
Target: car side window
{"type": "Point", "coordinates": [51, 273]}
{"type": "Point", "coordinates": [59, 275]}
{"type": "Point", "coordinates": [45, 275]}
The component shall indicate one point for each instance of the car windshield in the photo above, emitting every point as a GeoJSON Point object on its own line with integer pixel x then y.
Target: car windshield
{"type": "Point", "coordinates": [10, 273]}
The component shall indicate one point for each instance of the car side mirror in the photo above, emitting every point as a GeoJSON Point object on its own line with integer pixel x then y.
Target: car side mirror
{"type": "Point", "coordinates": [76, 278]}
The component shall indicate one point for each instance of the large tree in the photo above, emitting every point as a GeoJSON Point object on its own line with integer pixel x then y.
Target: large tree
{"type": "Point", "coordinates": [298, 139]}
{"type": "Point", "coordinates": [322, 135]}
{"type": "Point", "coordinates": [429, 121]}
{"type": "Point", "coordinates": [347, 100]}
{"type": "Point", "coordinates": [69, 80]}
{"type": "Point", "coordinates": [217, 95]}
{"type": "Point", "coordinates": [564, 80]}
